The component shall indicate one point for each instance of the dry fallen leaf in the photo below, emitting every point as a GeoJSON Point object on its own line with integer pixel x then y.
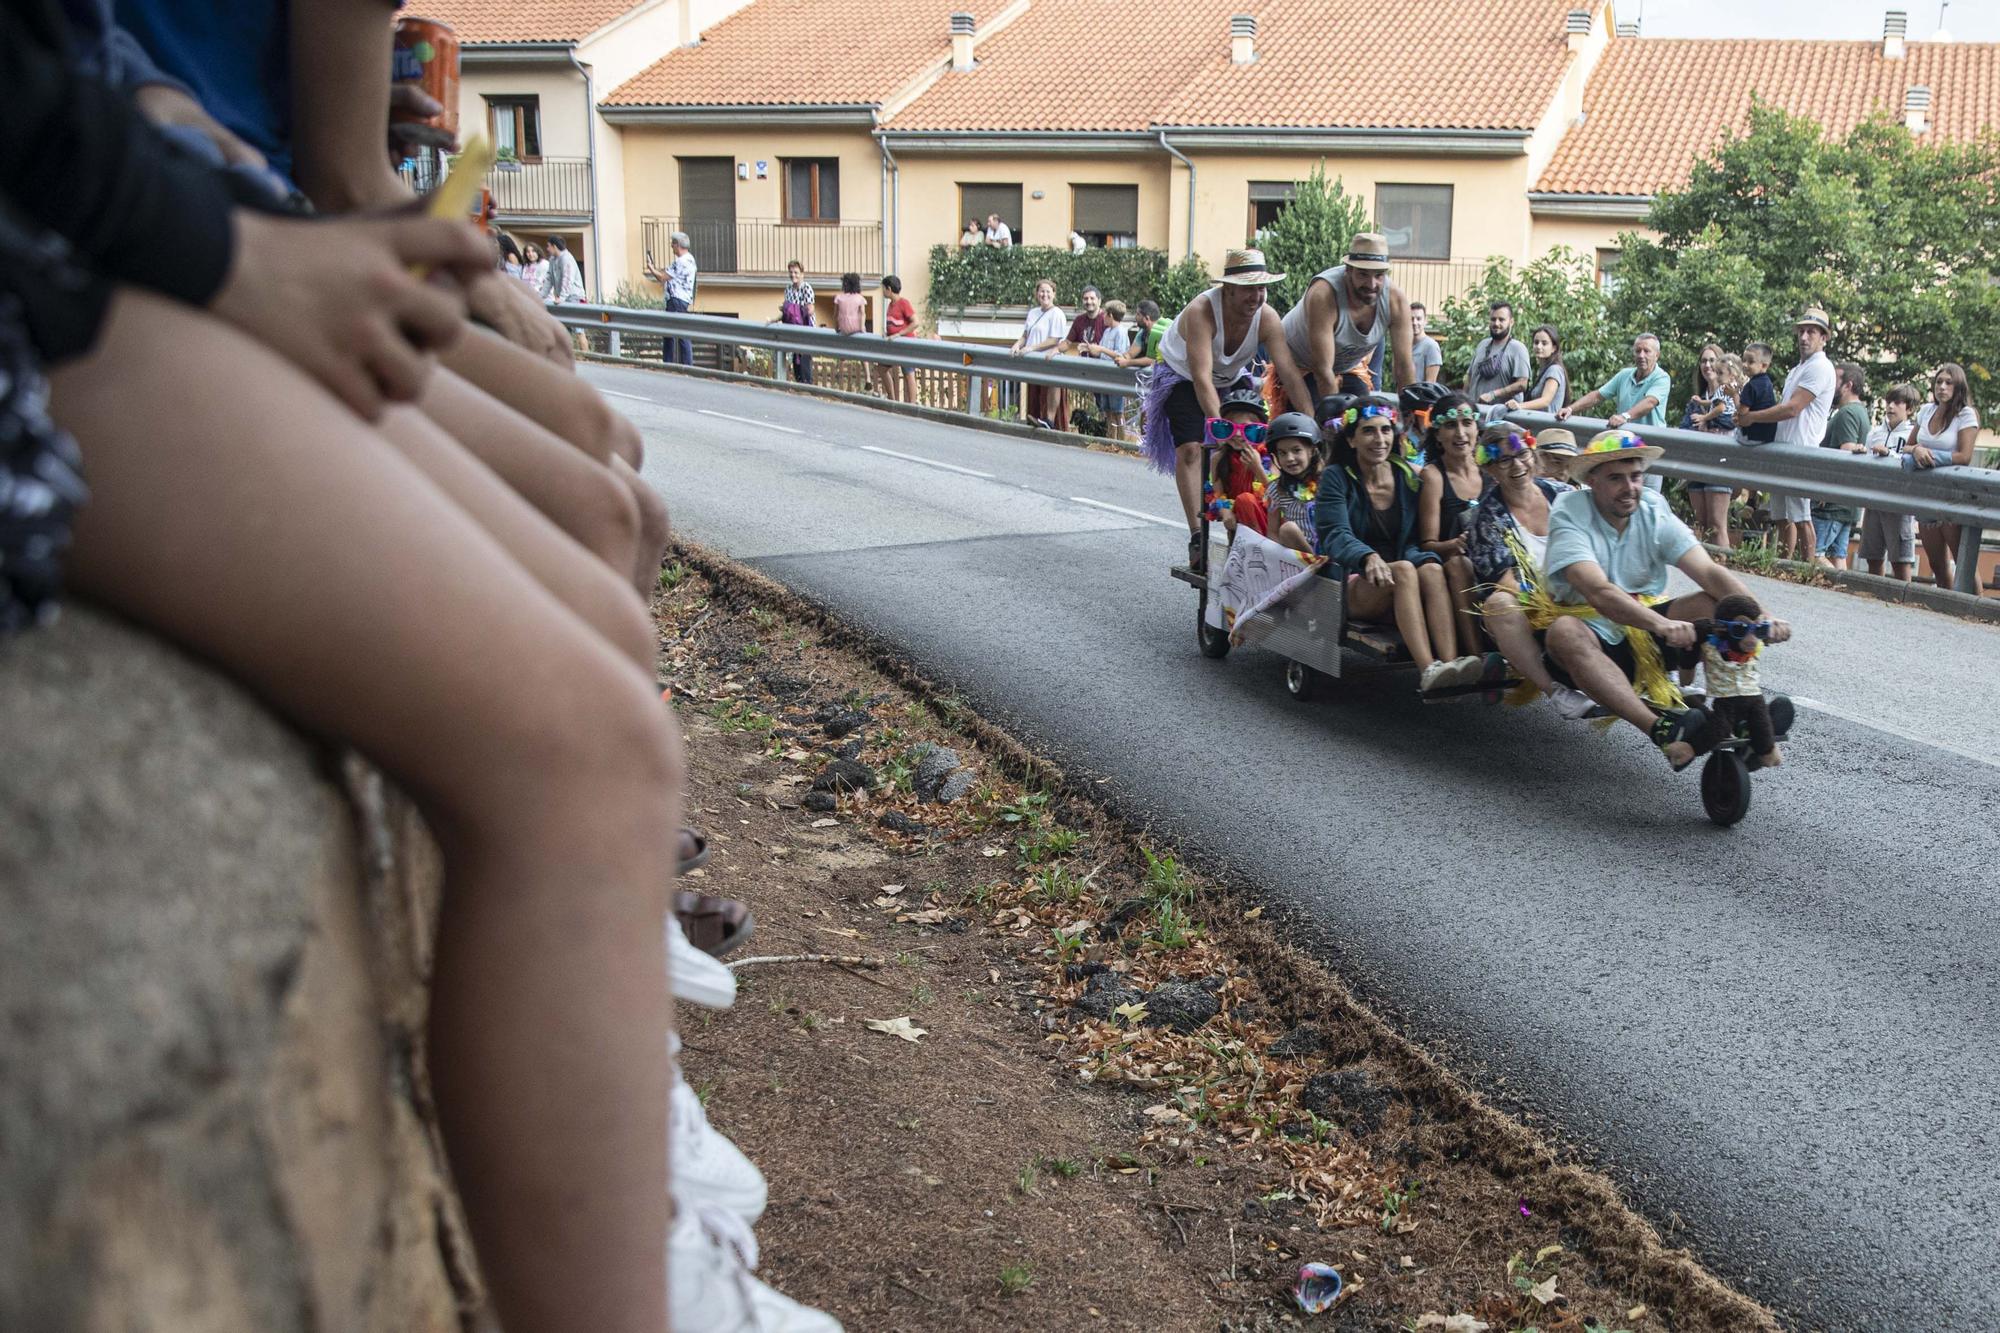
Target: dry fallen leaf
{"type": "Point", "coordinates": [819, 823]}
{"type": "Point", "coordinates": [1543, 1292]}
{"type": "Point", "coordinates": [896, 1027]}
{"type": "Point", "coordinates": [990, 852]}
{"type": "Point", "coordinates": [1131, 1013]}
{"type": "Point", "coordinates": [1253, 914]}
{"type": "Point", "coordinates": [1542, 1255]}
{"type": "Point", "coordinates": [1407, 1262]}
{"type": "Point", "coordinates": [1636, 1312]}
{"type": "Point", "coordinates": [1453, 1323]}
{"type": "Point", "coordinates": [890, 890]}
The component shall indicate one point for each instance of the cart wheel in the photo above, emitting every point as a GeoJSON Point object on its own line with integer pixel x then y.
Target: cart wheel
{"type": "Point", "coordinates": [1213, 642]}
{"type": "Point", "coordinates": [1302, 681]}
{"type": "Point", "coordinates": [1725, 787]}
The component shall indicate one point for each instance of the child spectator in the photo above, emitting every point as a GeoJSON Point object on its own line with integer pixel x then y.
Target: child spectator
{"type": "Point", "coordinates": [850, 307]}
{"type": "Point", "coordinates": [1847, 430]}
{"type": "Point", "coordinates": [1885, 535]}
{"type": "Point", "coordinates": [1112, 344]}
{"type": "Point", "coordinates": [1758, 392]}
{"type": "Point", "coordinates": [899, 320]}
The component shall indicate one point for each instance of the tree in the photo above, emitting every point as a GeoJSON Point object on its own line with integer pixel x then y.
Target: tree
{"type": "Point", "coordinates": [1310, 234]}
{"type": "Point", "coordinates": [1559, 289]}
{"type": "Point", "coordinates": [1897, 240]}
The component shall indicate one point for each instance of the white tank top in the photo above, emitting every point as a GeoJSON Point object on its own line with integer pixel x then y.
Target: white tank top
{"type": "Point", "coordinates": [1225, 367]}
{"type": "Point", "coordinates": [1350, 345]}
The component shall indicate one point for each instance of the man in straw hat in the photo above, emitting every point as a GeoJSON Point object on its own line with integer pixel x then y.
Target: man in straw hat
{"type": "Point", "coordinates": [1604, 618]}
{"type": "Point", "coordinates": [1801, 414]}
{"type": "Point", "coordinates": [1349, 314]}
{"type": "Point", "coordinates": [1207, 349]}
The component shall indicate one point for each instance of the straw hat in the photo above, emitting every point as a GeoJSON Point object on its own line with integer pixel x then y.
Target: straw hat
{"type": "Point", "coordinates": [1613, 446]}
{"type": "Point", "coordinates": [1556, 440]}
{"type": "Point", "coordinates": [1814, 316]}
{"type": "Point", "coordinates": [1369, 252]}
{"type": "Point", "coordinates": [1245, 268]}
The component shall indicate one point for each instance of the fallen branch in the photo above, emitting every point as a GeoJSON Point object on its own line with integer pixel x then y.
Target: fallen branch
{"type": "Point", "coordinates": [837, 959]}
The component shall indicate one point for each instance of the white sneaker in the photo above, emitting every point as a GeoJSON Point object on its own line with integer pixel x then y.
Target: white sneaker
{"type": "Point", "coordinates": [1436, 676]}
{"type": "Point", "coordinates": [709, 1287]}
{"type": "Point", "coordinates": [707, 1167]}
{"type": "Point", "coordinates": [1572, 704]}
{"type": "Point", "coordinates": [697, 978]}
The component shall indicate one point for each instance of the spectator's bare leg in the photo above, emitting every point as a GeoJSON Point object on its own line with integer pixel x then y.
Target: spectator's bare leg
{"type": "Point", "coordinates": [244, 514]}
{"type": "Point", "coordinates": [1940, 547]}
{"type": "Point", "coordinates": [547, 394]}
{"type": "Point", "coordinates": [584, 498]}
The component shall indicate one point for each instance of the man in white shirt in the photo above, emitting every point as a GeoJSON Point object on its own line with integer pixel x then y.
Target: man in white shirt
{"type": "Point", "coordinates": [1801, 414]}
{"type": "Point", "coordinates": [563, 284]}
{"type": "Point", "coordinates": [998, 234]}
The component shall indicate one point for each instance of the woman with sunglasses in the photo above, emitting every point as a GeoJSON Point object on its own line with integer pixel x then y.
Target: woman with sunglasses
{"type": "Point", "coordinates": [1447, 496]}
{"type": "Point", "coordinates": [1507, 543]}
{"type": "Point", "coordinates": [1366, 516]}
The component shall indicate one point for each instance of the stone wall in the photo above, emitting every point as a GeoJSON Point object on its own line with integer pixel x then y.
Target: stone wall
{"type": "Point", "coordinates": [213, 939]}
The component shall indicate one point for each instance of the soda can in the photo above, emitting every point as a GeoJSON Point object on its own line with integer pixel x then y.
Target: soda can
{"type": "Point", "coordinates": [426, 54]}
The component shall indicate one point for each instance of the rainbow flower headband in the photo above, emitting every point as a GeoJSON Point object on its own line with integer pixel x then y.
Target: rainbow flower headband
{"type": "Point", "coordinates": [1367, 410]}
{"type": "Point", "coordinates": [1512, 445]}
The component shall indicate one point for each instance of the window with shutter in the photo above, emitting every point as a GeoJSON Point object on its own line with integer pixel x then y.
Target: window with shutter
{"type": "Point", "coordinates": [1267, 200]}
{"type": "Point", "coordinates": [812, 189]}
{"type": "Point", "coordinates": [1416, 219]}
{"type": "Point", "coordinates": [1106, 215]}
{"type": "Point", "coordinates": [978, 201]}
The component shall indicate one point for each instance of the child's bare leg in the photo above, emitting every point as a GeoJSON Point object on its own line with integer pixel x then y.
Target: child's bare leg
{"type": "Point", "coordinates": [1292, 535]}
{"type": "Point", "coordinates": [241, 512]}
{"type": "Point", "coordinates": [579, 580]}
{"type": "Point", "coordinates": [582, 495]}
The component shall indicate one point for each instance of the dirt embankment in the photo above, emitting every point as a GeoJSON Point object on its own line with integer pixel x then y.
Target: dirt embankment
{"type": "Point", "coordinates": [1072, 1085]}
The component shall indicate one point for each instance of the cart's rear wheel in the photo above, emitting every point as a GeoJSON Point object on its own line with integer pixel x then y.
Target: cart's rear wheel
{"type": "Point", "coordinates": [1213, 642]}
{"type": "Point", "coordinates": [1302, 681]}
{"type": "Point", "coordinates": [1725, 787]}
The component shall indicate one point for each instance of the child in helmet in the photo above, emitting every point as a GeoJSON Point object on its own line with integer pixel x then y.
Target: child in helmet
{"type": "Point", "coordinates": [1240, 470]}
{"type": "Point", "coordinates": [1293, 444]}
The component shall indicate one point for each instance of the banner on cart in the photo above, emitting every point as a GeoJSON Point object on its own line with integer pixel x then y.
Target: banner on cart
{"type": "Point", "coordinates": [1257, 576]}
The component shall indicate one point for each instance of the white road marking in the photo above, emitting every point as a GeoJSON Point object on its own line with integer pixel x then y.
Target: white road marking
{"type": "Point", "coordinates": [635, 397]}
{"type": "Point", "coordinates": [750, 421]}
{"type": "Point", "coordinates": [1890, 729]}
{"type": "Point", "coordinates": [1129, 513]}
{"type": "Point", "coordinates": [912, 458]}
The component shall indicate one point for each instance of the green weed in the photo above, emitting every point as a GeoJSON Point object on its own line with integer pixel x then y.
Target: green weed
{"type": "Point", "coordinates": [672, 576]}
{"type": "Point", "coordinates": [1015, 1279]}
{"type": "Point", "coordinates": [1394, 1201]}
{"type": "Point", "coordinates": [1047, 844]}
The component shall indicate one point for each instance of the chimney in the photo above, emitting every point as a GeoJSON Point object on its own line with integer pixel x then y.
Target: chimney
{"type": "Point", "coordinates": [1576, 28]}
{"type": "Point", "coordinates": [962, 30]}
{"type": "Point", "coordinates": [1242, 39]}
{"type": "Point", "coordinates": [1629, 28]}
{"type": "Point", "coordinates": [1895, 26]}
{"type": "Point", "coordinates": [1917, 108]}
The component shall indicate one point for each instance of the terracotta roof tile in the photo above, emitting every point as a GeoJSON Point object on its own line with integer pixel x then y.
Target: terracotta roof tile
{"type": "Point", "coordinates": [1131, 64]}
{"type": "Point", "coordinates": [1654, 106]}
{"type": "Point", "coordinates": [477, 21]}
{"type": "Point", "coordinates": [795, 52]}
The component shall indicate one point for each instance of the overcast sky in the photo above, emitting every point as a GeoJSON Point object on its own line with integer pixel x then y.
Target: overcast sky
{"type": "Point", "coordinates": [1967, 20]}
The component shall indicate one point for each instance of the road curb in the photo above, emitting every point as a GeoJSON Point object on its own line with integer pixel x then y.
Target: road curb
{"type": "Point", "coordinates": [1069, 439]}
{"type": "Point", "coordinates": [1877, 587]}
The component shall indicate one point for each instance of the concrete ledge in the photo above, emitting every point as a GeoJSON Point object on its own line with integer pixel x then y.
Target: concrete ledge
{"type": "Point", "coordinates": [212, 976]}
{"type": "Point", "coordinates": [1962, 605]}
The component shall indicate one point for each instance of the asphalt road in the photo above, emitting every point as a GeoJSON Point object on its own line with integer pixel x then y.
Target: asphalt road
{"type": "Point", "coordinates": [1779, 1038]}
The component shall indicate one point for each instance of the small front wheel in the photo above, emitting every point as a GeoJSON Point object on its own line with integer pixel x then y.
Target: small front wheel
{"type": "Point", "coordinates": [1302, 681]}
{"type": "Point", "coordinates": [1725, 787]}
{"type": "Point", "coordinates": [1213, 642]}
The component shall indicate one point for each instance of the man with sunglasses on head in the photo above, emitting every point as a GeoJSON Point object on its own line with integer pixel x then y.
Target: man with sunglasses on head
{"type": "Point", "coordinates": [1608, 627]}
{"type": "Point", "coordinates": [1350, 314]}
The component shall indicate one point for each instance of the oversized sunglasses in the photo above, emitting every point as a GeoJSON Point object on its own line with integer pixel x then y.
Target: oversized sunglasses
{"type": "Point", "coordinates": [1368, 410]}
{"type": "Point", "coordinates": [1511, 446]}
{"type": "Point", "coordinates": [1738, 630]}
{"type": "Point", "coordinates": [1463, 412]}
{"type": "Point", "coordinates": [1222, 432]}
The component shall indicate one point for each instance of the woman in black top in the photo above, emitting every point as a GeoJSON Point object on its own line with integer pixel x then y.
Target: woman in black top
{"type": "Point", "coordinates": [1448, 494]}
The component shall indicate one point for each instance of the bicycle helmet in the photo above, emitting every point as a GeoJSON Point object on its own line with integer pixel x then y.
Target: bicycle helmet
{"type": "Point", "coordinates": [1422, 397]}
{"type": "Point", "coordinates": [1293, 426]}
{"type": "Point", "coordinates": [1244, 393]}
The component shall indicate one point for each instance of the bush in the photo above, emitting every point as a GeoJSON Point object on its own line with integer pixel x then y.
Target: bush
{"type": "Point", "coordinates": [1311, 234]}
{"type": "Point", "coordinates": [1561, 289]}
{"type": "Point", "coordinates": [986, 276]}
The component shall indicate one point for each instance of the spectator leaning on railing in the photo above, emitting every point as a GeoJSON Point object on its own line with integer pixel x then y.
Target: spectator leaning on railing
{"type": "Point", "coordinates": [1947, 429]}
{"type": "Point", "coordinates": [1884, 534]}
{"type": "Point", "coordinates": [1711, 410]}
{"type": "Point", "coordinates": [1800, 415]}
{"type": "Point", "coordinates": [1637, 394]}
{"type": "Point", "coordinates": [1833, 524]}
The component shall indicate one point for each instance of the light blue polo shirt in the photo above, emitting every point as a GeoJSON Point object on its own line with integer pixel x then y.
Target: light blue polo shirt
{"type": "Point", "coordinates": [1636, 559]}
{"type": "Point", "coordinates": [1623, 390]}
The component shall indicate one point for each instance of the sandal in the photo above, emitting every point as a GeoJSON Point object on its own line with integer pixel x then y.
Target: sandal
{"type": "Point", "coordinates": [1685, 726]}
{"type": "Point", "coordinates": [692, 850]}
{"type": "Point", "coordinates": [713, 925]}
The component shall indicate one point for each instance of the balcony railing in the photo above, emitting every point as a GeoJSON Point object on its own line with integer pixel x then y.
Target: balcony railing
{"type": "Point", "coordinates": [762, 247]}
{"type": "Point", "coordinates": [548, 187]}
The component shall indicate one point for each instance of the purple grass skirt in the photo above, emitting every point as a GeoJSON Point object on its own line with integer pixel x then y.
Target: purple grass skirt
{"type": "Point", "coordinates": [1157, 443]}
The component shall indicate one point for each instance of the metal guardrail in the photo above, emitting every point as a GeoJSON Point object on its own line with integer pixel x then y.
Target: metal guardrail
{"type": "Point", "coordinates": [1967, 496]}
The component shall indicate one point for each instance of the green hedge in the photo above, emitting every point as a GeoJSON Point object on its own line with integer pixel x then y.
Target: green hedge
{"type": "Point", "coordinates": [986, 276]}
